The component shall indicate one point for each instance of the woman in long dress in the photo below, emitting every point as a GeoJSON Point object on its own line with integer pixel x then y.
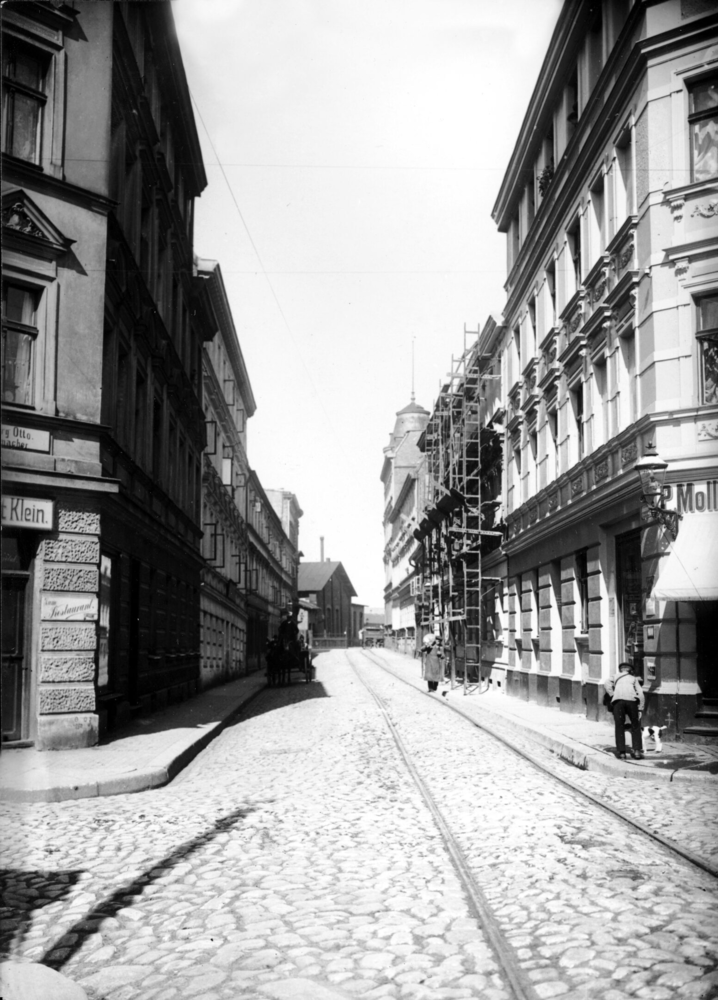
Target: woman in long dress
{"type": "Point", "coordinates": [432, 661]}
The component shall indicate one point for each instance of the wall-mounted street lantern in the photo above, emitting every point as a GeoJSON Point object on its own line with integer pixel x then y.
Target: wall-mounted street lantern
{"type": "Point", "coordinates": [652, 470]}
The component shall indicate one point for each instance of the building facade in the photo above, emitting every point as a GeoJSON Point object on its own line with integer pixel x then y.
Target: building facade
{"type": "Point", "coordinates": [120, 525]}
{"type": "Point", "coordinates": [608, 344]}
{"type": "Point", "coordinates": [56, 202]}
{"type": "Point", "coordinates": [403, 476]}
{"type": "Point", "coordinates": [101, 368]}
{"type": "Point", "coordinates": [327, 586]}
{"type": "Point", "coordinates": [228, 404]}
{"type": "Point", "coordinates": [272, 561]}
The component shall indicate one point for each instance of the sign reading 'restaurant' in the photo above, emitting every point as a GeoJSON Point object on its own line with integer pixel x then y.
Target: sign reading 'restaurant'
{"type": "Point", "coordinates": [69, 608]}
{"type": "Point", "coordinates": [691, 498]}
{"type": "Point", "coordinates": [27, 512]}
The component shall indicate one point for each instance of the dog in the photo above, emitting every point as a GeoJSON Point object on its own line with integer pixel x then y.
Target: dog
{"type": "Point", "coordinates": [653, 733]}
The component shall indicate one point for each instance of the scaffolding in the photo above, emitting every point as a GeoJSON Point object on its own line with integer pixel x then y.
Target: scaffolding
{"type": "Point", "coordinates": [452, 533]}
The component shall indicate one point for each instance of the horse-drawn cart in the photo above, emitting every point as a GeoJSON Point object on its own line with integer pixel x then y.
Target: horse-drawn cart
{"type": "Point", "coordinates": [285, 659]}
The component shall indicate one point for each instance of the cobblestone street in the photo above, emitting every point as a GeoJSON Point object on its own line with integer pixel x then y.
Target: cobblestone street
{"type": "Point", "coordinates": [296, 858]}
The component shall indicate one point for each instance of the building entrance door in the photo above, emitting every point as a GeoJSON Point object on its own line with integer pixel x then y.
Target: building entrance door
{"type": "Point", "coordinates": [16, 560]}
{"type": "Point", "coordinates": [630, 600]}
{"type": "Point", "coordinates": [706, 644]}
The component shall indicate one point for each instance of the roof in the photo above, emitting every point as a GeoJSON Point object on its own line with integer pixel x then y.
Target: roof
{"type": "Point", "coordinates": [314, 576]}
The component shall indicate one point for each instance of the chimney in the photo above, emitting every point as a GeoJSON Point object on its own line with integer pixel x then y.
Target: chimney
{"type": "Point", "coordinates": [321, 548]}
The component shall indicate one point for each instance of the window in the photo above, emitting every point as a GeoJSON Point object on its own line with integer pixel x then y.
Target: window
{"type": "Point", "coordinates": [594, 53]}
{"type": "Point", "coordinates": [599, 422]}
{"type": "Point", "coordinates": [623, 205]}
{"type": "Point", "coordinates": [574, 249]}
{"type": "Point", "coordinates": [19, 333]}
{"type": "Point", "coordinates": [24, 100]}
{"type": "Point", "coordinates": [532, 484]}
{"type": "Point", "coordinates": [140, 416]}
{"type": "Point", "coordinates": [532, 326]}
{"type": "Point", "coordinates": [551, 286]}
{"type": "Point", "coordinates": [552, 421]}
{"type": "Point", "coordinates": [157, 438]}
{"type": "Point", "coordinates": [571, 104]}
{"type": "Point", "coordinates": [577, 403]}
{"type": "Point", "coordinates": [598, 225]}
{"type": "Point", "coordinates": [629, 387]}
{"type": "Point", "coordinates": [708, 345]}
{"type": "Point", "coordinates": [517, 348]}
{"type": "Point", "coordinates": [582, 586]}
{"type": "Point", "coordinates": [703, 125]}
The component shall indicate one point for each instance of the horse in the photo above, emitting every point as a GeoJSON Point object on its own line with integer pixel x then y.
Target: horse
{"type": "Point", "coordinates": [278, 664]}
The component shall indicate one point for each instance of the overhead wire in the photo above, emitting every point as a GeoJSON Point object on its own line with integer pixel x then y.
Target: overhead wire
{"type": "Point", "coordinates": [261, 263]}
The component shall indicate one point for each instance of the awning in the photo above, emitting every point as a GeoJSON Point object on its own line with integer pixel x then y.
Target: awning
{"type": "Point", "coordinates": [689, 572]}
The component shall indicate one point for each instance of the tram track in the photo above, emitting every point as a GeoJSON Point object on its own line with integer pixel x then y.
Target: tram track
{"type": "Point", "coordinates": [615, 811]}
{"type": "Point", "coordinates": [521, 986]}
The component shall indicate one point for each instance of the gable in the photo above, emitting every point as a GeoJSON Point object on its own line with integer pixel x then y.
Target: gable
{"type": "Point", "coordinates": [26, 228]}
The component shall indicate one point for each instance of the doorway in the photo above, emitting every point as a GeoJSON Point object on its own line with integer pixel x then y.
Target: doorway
{"type": "Point", "coordinates": [706, 644]}
{"type": "Point", "coordinates": [630, 600]}
{"type": "Point", "coordinates": [17, 556]}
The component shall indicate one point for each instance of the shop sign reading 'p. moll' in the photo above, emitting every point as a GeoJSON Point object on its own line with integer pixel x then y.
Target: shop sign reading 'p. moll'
{"type": "Point", "coordinates": [28, 512]}
{"type": "Point", "coordinates": [69, 608]}
{"type": "Point", "coordinates": [693, 498]}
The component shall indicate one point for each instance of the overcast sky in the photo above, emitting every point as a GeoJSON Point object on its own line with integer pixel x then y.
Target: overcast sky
{"type": "Point", "coordinates": [354, 151]}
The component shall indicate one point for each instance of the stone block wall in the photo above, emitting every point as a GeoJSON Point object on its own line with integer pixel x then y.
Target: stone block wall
{"type": "Point", "coordinates": [69, 561]}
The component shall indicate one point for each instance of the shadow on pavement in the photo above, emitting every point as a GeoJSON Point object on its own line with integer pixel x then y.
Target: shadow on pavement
{"type": "Point", "coordinates": [71, 941]}
{"type": "Point", "coordinates": [200, 710]}
{"type": "Point", "coordinates": [23, 892]}
{"type": "Point", "coordinates": [276, 698]}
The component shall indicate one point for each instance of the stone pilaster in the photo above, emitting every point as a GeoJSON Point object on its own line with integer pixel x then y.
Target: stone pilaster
{"type": "Point", "coordinates": [593, 691]}
{"type": "Point", "coordinates": [69, 601]}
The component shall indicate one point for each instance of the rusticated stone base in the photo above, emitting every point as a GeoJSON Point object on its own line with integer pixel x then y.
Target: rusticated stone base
{"type": "Point", "coordinates": [571, 695]}
{"type": "Point", "coordinates": [67, 732]}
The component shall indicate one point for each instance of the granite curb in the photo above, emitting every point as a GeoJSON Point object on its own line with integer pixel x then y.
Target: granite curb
{"type": "Point", "coordinates": [584, 756]}
{"type": "Point", "coordinates": [160, 771]}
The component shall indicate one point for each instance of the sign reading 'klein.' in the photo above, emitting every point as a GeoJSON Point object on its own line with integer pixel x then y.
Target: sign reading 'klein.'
{"type": "Point", "coordinates": [27, 512]}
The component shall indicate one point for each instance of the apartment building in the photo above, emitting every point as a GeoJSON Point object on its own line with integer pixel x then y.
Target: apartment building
{"type": "Point", "coordinates": [228, 404]}
{"type": "Point", "coordinates": [101, 369]}
{"type": "Point", "coordinates": [609, 343]}
{"type": "Point", "coordinates": [272, 564]}
{"type": "Point", "coordinates": [403, 476]}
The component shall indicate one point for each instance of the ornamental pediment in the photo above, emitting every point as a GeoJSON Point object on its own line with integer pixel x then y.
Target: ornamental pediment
{"type": "Point", "coordinates": [27, 229]}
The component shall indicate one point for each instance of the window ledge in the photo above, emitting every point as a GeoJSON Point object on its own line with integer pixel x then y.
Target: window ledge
{"type": "Point", "coordinates": [697, 187]}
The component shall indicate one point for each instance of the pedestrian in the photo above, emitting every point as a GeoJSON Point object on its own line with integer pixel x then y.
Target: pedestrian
{"type": "Point", "coordinates": [433, 661]}
{"type": "Point", "coordinates": [627, 701]}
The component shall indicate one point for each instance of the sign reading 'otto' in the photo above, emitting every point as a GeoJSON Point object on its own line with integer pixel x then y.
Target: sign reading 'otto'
{"type": "Point", "coordinates": [69, 608]}
{"type": "Point", "coordinates": [27, 512]}
{"type": "Point", "coordinates": [25, 438]}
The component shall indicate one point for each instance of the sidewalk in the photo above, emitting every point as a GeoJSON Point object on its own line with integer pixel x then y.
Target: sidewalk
{"type": "Point", "coordinates": [146, 754]}
{"type": "Point", "coordinates": [576, 739]}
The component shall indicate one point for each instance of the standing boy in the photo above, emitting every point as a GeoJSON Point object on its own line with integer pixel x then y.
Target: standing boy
{"type": "Point", "coordinates": [627, 701]}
